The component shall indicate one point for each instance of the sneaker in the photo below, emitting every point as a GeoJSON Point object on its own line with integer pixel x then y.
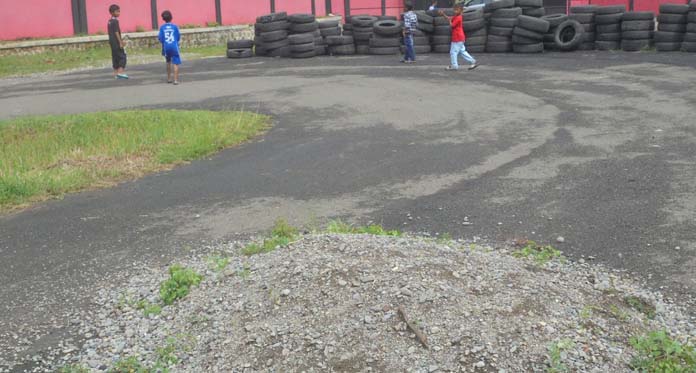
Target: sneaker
{"type": "Point", "coordinates": [473, 66]}
{"type": "Point", "coordinates": [170, 81]}
{"type": "Point", "coordinates": [176, 82]}
{"type": "Point", "coordinates": [451, 68]}
{"type": "Point", "coordinates": [121, 76]}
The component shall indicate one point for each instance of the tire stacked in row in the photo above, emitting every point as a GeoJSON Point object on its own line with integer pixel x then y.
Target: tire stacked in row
{"type": "Point", "coordinates": [532, 8]}
{"type": "Point", "coordinates": [240, 48]}
{"type": "Point", "coordinates": [362, 32]}
{"type": "Point", "coordinates": [343, 45]}
{"type": "Point", "coordinates": [424, 37]}
{"type": "Point", "coordinates": [326, 29]}
{"type": "Point", "coordinates": [585, 14]}
{"type": "Point", "coordinates": [441, 38]}
{"type": "Point", "coordinates": [272, 35]}
{"type": "Point", "coordinates": [502, 21]}
{"type": "Point", "coordinates": [304, 36]}
{"type": "Point", "coordinates": [637, 30]}
{"type": "Point", "coordinates": [421, 42]}
{"type": "Point", "coordinates": [689, 43]}
{"type": "Point", "coordinates": [549, 37]}
{"type": "Point", "coordinates": [608, 27]}
{"type": "Point", "coordinates": [386, 37]}
{"type": "Point", "coordinates": [475, 30]}
{"type": "Point", "coordinates": [671, 27]}
{"type": "Point", "coordinates": [569, 35]}
{"type": "Point", "coordinates": [528, 34]}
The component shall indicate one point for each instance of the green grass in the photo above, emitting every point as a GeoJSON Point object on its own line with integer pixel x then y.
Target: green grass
{"type": "Point", "coordinates": [179, 283]}
{"type": "Point", "coordinates": [148, 308]}
{"type": "Point", "coordinates": [540, 254]}
{"type": "Point", "coordinates": [554, 358]}
{"type": "Point", "coordinates": [281, 235]}
{"type": "Point", "coordinates": [340, 227]}
{"type": "Point", "coordinates": [52, 61]}
{"type": "Point", "coordinates": [73, 368]}
{"type": "Point", "coordinates": [46, 157]}
{"type": "Point", "coordinates": [658, 352]}
{"type": "Point", "coordinates": [641, 306]}
{"type": "Point", "coordinates": [218, 263]}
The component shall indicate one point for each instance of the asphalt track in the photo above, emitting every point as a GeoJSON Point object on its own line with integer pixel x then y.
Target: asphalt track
{"type": "Point", "coordinates": [597, 147]}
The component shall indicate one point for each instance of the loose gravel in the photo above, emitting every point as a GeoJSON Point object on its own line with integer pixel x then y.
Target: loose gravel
{"type": "Point", "coordinates": [330, 303]}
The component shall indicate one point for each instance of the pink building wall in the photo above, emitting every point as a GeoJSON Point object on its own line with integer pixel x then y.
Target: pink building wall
{"type": "Point", "coordinates": [134, 13]}
{"type": "Point", "coordinates": [196, 12]}
{"type": "Point", "coordinates": [35, 18]}
{"type": "Point", "coordinates": [294, 6]}
{"type": "Point", "coordinates": [243, 11]}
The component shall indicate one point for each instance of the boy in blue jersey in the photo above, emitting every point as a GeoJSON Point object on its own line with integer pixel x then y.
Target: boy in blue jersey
{"type": "Point", "coordinates": [169, 36]}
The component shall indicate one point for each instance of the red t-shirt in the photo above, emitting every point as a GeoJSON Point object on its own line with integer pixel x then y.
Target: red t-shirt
{"type": "Point", "coordinates": [457, 30]}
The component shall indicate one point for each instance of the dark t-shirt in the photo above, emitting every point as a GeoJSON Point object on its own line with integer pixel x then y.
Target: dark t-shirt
{"type": "Point", "coordinates": [114, 28]}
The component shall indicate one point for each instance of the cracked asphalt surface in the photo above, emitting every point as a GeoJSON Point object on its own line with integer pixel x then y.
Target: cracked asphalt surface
{"type": "Point", "coordinates": [597, 147]}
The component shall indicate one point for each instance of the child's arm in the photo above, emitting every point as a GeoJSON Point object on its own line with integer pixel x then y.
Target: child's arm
{"type": "Point", "coordinates": [118, 35]}
{"type": "Point", "coordinates": [160, 36]}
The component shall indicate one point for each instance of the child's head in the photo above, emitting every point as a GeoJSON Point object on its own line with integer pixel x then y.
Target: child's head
{"type": "Point", "coordinates": [457, 8]}
{"type": "Point", "coordinates": [115, 10]}
{"type": "Point", "coordinates": [167, 16]}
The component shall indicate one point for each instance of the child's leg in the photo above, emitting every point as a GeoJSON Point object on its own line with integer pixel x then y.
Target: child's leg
{"type": "Point", "coordinates": [471, 60]}
{"type": "Point", "coordinates": [176, 73]}
{"type": "Point", "coordinates": [454, 52]}
{"type": "Point", "coordinates": [169, 71]}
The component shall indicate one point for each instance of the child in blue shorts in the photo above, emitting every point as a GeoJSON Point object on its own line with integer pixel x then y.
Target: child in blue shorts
{"type": "Point", "coordinates": [169, 36]}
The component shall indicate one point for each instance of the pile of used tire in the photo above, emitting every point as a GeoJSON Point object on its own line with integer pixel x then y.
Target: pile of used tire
{"type": "Point", "coordinates": [585, 14]}
{"type": "Point", "coordinates": [475, 30]}
{"type": "Point", "coordinates": [342, 45]}
{"type": "Point", "coordinates": [240, 48]}
{"type": "Point", "coordinates": [671, 27]}
{"type": "Point", "coordinates": [608, 27]}
{"type": "Point", "coordinates": [326, 29]}
{"type": "Point", "coordinates": [532, 8]}
{"type": "Point", "coordinates": [637, 30]}
{"type": "Point", "coordinates": [502, 16]}
{"type": "Point", "coordinates": [549, 37]}
{"type": "Point", "coordinates": [689, 43]}
{"type": "Point", "coordinates": [304, 35]}
{"type": "Point", "coordinates": [528, 34]}
{"type": "Point", "coordinates": [362, 32]}
{"type": "Point", "coordinates": [441, 32]}
{"type": "Point", "coordinates": [386, 37]}
{"type": "Point", "coordinates": [569, 35]}
{"type": "Point", "coordinates": [272, 35]}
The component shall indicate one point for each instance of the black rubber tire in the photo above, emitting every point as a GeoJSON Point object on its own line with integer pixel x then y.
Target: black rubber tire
{"type": "Point", "coordinates": [383, 51]}
{"type": "Point", "coordinates": [671, 18]}
{"type": "Point", "coordinates": [301, 28]}
{"type": "Point", "coordinates": [690, 37]}
{"type": "Point", "coordinates": [691, 27]}
{"type": "Point", "coordinates": [535, 12]}
{"type": "Point", "coordinates": [470, 14]}
{"type": "Point", "coordinates": [387, 28]}
{"type": "Point", "coordinates": [528, 48]}
{"type": "Point", "coordinates": [608, 19]}
{"type": "Point", "coordinates": [517, 39]}
{"type": "Point", "coordinates": [384, 42]}
{"type": "Point", "coordinates": [441, 48]}
{"type": "Point", "coordinates": [479, 32]}
{"type": "Point", "coordinates": [636, 35]}
{"type": "Point", "coordinates": [589, 37]}
{"type": "Point", "coordinates": [583, 9]}
{"type": "Point", "coordinates": [363, 29]}
{"type": "Point", "coordinates": [421, 40]}
{"type": "Point", "coordinates": [507, 13]}
{"type": "Point", "coordinates": [635, 45]}
{"type": "Point", "coordinates": [586, 46]}
{"type": "Point", "coordinates": [308, 54]}
{"type": "Point", "coordinates": [441, 39]}
{"type": "Point", "coordinates": [240, 44]}
{"type": "Point", "coordinates": [424, 17]}
{"type": "Point", "coordinates": [688, 46]}
{"type": "Point", "coordinates": [668, 47]}
{"type": "Point", "coordinates": [481, 48]}
{"type": "Point", "coordinates": [476, 40]}
{"type": "Point", "coordinates": [301, 48]}
{"type": "Point", "coordinates": [342, 50]}
{"type": "Point", "coordinates": [668, 37]}
{"type": "Point", "coordinates": [521, 31]}
{"type": "Point", "coordinates": [331, 23]}
{"type": "Point", "coordinates": [442, 30]}
{"type": "Point", "coordinates": [419, 49]}
{"type": "Point", "coordinates": [442, 21]}
{"type": "Point", "coordinates": [319, 41]}
{"type": "Point", "coordinates": [610, 9]}
{"type": "Point", "coordinates": [637, 26]}
{"type": "Point", "coordinates": [569, 35]}
{"type": "Point", "coordinates": [674, 8]}
{"type": "Point", "coordinates": [347, 26]}
{"type": "Point", "coordinates": [555, 19]}
{"type": "Point", "coordinates": [691, 17]}
{"type": "Point", "coordinates": [425, 27]}
{"type": "Point", "coordinates": [616, 36]}
{"type": "Point", "coordinates": [239, 53]}
{"type": "Point", "coordinates": [504, 22]}
{"type": "Point", "coordinates": [582, 17]}
{"type": "Point", "coordinates": [279, 52]}
{"type": "Point", "coordinates": [362, 36]}
{"type": "Point", "coordinates": [638, 16]}
{"type": "Point", "coordinates": [548, 37]}
{"type": "Point", "coordinates": [499, 47]}
{"type": "Point", "coordinates": [607, 45]}
{"type": "Point", "coordinates": [339, 40]}
{"type": "Point", "coordinates": [304, 38]}
{"type": "Point", "coordinates": [363, 21]}
{"type": "Point", "coordinates": [610, 28]}
{"type": "Point", "coordinates": [476, 25]}
{"type": "Point", "coordinates": [533, 24]}
{"type": "Point", "coordinates": [529, 3]}
{"type": "Point", "coordinates": [301, 18]}
{"type": "Point", "coordinates": [550, 46]}
{"type": "Point", "coordinates": [272, 26]}
{"type": "Point", "coordinates": [499, 4]}
{"type": "Point", "coordinates": [362, 49]}
{"type": "Point", "coordinates": [497, 39]}
{"type": "Point", "coordinates": [321, 50]}
{"type": "Point", "coordinates": [335, 31]}
{"type": "Point", "coordinates": [273, 17]}
{"type": "Point", "coordinates": [276, 44]}
{"type": "Point", "coordinates": [672, 27]}
{"type": "Point", "coordinates": [271, 36]}
{"type": "Point", "coordinates": [500, 31]}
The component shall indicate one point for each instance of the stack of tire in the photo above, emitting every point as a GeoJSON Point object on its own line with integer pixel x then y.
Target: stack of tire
{"type": "Point", "coordinates": [348, 27]}
{"type": "Point", "coordinates": [272, 35]}
{"type": "Point", "coordinates": [240, 48]}
{"type": "Point", "coordinates": [549, 37]}
{"type": "Point", "coordinates": [585, 14]}
{"type": "Point", "coordinates": [671, 27]}
{"type": "Point", "coordinates": [608, 27]}
{"type": "Point", "coordinates": [362, 32]}
{"type": "Point", "coordinates": [637, 30]}
{"type": "Point", "coordinates": [532, 8]}
{"type": "Point", "coordinates": [475, 30]}
{"type": "Point", "coordinates": [386, 37]}
{"type": "Point", "coordinates": [421, 43]}
{"type": "Point", "coordinates": [340, 45]}
{"type": "Point", "coordinates": [503, 20]}
{"type": "Point", "coordinates": [326, 29]}
{"type": "Point", "coordinates": [528, 34]}
{"type": "Point", "coordinates": [304, 35]}
{"type": "Point", "coordinates": [689, 43]}
{"type": "Point", "coordinates": [441, 38]}
{"type": "Point", "coordinates": [569, 35]}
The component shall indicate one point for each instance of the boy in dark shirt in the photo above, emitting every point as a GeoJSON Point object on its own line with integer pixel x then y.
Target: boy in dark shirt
{"type": "Point", "coordinates": [118, 53]}
{"type": "Point", "coordinates": [170, 36]}
{"type": "Point", "coordinates": [458, 38]}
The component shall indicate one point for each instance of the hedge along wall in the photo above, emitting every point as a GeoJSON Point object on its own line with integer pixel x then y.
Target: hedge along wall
{"type": "Point", "coordinates": [134, 14]}
{"type": "Point", "coordinates": [35, 18]}
{"type": "Point", "coordinates": [243, 11]}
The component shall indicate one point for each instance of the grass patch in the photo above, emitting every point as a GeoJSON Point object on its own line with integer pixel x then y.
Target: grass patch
{"type": "Point", "coordinates": [641, 306]}
{"type": "Point", "coordinates": [73, 368]}
{"type": "Point", "coordinates": [52, 61]}
{"type": "Point", "coordinates": [179, 283]}
{"type": "Point", "coordinates": [555, 356]}
{"type": "Point", "coordinates": [46, 157]}
{"type": "Point", "coordinates": [281, 235]}
{"type": "Point", "coordinates": [340, 227]}
{"type": "Point", "coordinates": [218, 263]}
{"type": "Point", "coordinates": [540, 254]}
{"type": "Point", "coordinates": [148, 308]}
{"type": "Point", "coordinates": [658, 352]}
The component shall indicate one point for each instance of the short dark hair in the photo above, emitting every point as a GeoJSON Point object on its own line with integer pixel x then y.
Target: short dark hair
{"type": "Point", "coordinates": [167, 16]}
{"type": "Point", "coordinates": [458, 6]}
{"type": "Point", "coordinates": [114, 8]}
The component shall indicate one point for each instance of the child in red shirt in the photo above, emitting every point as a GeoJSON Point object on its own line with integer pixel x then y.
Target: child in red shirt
{"type": "Point", "coordinates": [458, 38]}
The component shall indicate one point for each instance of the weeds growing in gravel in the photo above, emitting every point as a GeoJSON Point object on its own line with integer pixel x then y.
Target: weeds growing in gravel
{"type": "Point", "coordinates": [540, 254]}
{"type": "Point", "coordinates": [340, 227]}
{"type": "Point", "coordinates": [179, 283]}
{"type": "Point", "coordinates": [129, 365]}
{"type": "Point", "coordinates": [658, 352]}
{"type": "Point", "coordinates": [73, 368]}
{"type": "Point", "coordinates": [148, 308]}
{"type": "Point", "coordinates": [641, 306]}
{"type": "Point", "coordinates": [218, 263]}
{"type": "Point", "coordinates": [554, 359]}
{"type": "Point", "coordinates": [281, 235]}
{"type": "Point", "coordinates": [445, 239]}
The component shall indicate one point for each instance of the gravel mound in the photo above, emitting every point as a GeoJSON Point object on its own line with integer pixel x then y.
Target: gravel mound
{"type": "Point", "coordinates": [331, 303]}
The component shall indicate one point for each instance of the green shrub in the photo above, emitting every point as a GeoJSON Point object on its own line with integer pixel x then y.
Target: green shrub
{"type": "Point", "coordinates": [540, 254]}
{"type": "Point", "coordinates": [658, 352]}
{"type": "Point", "coordinates": [179, 283]}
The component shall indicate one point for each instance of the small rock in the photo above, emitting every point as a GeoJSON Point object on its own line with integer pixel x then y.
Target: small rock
{"type": "Point", "coordinates": [433, 368]}
{"type": "Point", "coordinates": [560, 239]}
{"type": "Point", "coordinates": [285, 292]}
{"type": "Point", "coordinates": [342, 283]}
{"type": "Point", "coordinates": [480, 364]}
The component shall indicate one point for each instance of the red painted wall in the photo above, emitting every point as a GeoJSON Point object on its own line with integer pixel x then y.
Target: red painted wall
{"type": "Point", "coordinates": [134, 13]}
{"type": "Point", "coordinates": [294, 6]}
{"type": "Point", "coordinates": [243, 11]}
{"type": "Point", "coordinates": [35, 18]}
{"type": "Point", "coordinates": [338, 7]}
{"type": "Point", "coordinates": [196, 12]}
